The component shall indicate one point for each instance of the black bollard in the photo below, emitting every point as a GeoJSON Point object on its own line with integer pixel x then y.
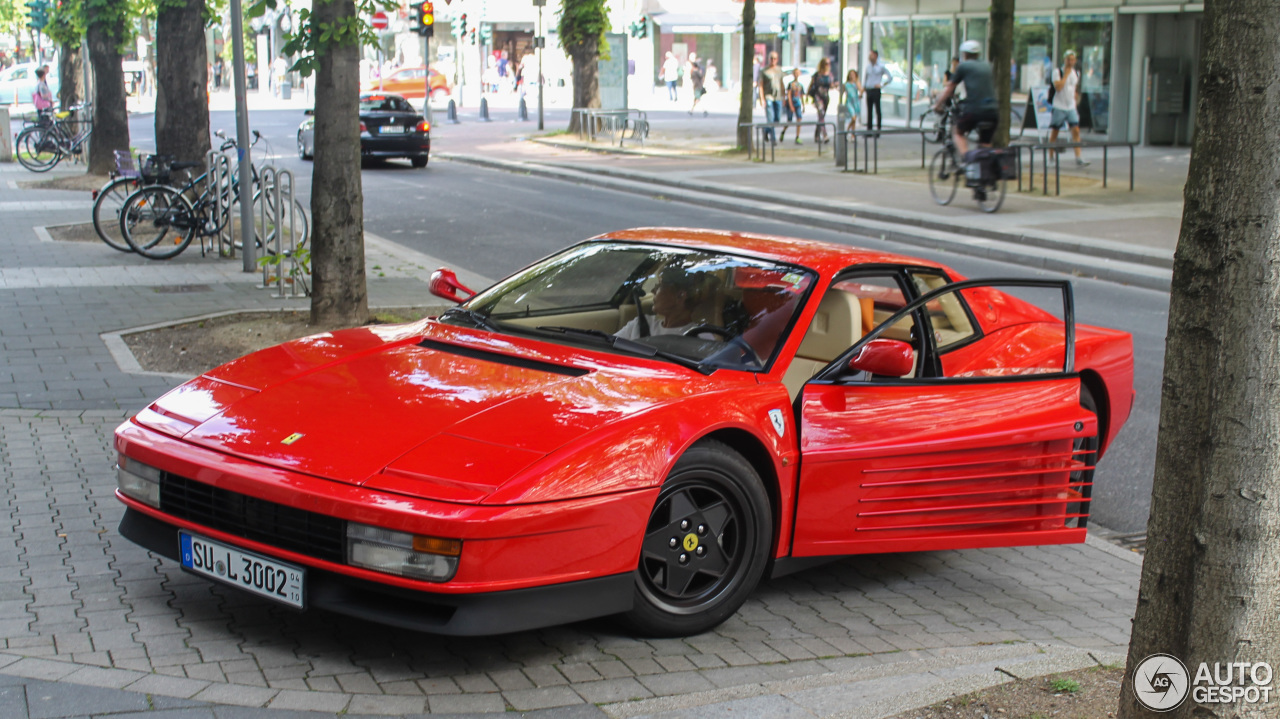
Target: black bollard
{"type": "Point", "coordinates": [484, 109]}
{"type": "Point", "coordinates": [452, 116]}
{"type": "Point", "coordinates": [523, 112]}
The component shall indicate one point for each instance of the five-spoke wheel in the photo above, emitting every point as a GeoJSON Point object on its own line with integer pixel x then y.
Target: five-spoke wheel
{"type": "Point", "coordinates": [705, 546]}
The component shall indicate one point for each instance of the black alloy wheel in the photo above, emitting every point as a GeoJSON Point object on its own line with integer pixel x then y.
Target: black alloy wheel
{"type": "Point", "coordinates": [705, 546]}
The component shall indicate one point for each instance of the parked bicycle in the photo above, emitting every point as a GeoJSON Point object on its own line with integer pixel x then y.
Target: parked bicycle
{"type": "Point", "coordinates": [128, 177]}
{"type": "Point", "coordinates": [159, 221]}
{"type": "Point", "coordinates": [987, 174]}
{"type": "Point", "coordinates": [55, 135]}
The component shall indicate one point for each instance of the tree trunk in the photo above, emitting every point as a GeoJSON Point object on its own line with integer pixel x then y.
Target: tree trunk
{"type": "Point", "coordinates": [1000, 53]}
{"type": "Point", "coordinates": [338, 292]}
{"type": "Point", "coordinates": [70, 75]}
{"type": "Point", "coordinates": [1209, 581]}
{"type": "Point", "coordinates": [182, 76]}
{"type": "Point", "coordinates": [105, 30]}
{"type": "Point", "coordinates": [746, 106]}
{"type": "Point", "coordinates": [586, 78]}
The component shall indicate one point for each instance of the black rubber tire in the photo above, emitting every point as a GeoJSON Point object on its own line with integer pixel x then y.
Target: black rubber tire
{"type": "Point", "coordinates": [36, 152]}
{"type": "Point", "coordinates": [302, 149]}
{"type": "Point", "coordinates": [145, 218]}
{"type": "Point", "coordinates": [106, 211]}
{"type": "Point", "coordinates": [944, 177]}
{"type": "Point", "coordinates": [419, 160]}
{"type": "Point", "coordinates": [994, 196]}
{"type": "Point", "coordinates": [711, 484]}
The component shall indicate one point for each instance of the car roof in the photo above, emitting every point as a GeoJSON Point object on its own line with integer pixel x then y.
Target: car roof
{"type": "Point", "coordinates": [826, 257]}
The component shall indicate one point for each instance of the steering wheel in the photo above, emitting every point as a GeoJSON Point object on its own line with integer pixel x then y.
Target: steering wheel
{"type": "Point", "coordinates": [727, 334]}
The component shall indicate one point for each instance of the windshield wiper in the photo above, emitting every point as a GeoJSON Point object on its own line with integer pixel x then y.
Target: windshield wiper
{"type": "Point", "coordinates": [479, 319]}
{"type": "Point", "coordinates": [628, 346]}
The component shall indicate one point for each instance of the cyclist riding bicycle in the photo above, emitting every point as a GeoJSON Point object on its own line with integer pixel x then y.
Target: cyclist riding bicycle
{"type": "Point", "coordinates": [979, 106]}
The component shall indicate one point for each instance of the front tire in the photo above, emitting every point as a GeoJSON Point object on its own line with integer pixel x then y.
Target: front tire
{"type": "Point", "coordinates": [705, 546]}
{"type": "Point", "coordinates": [302, 149]}
{"type": "Point", "coordinates": [106, 211]}
{"type": "Point", "coordinates": [150, 222]}
{"type": "Point", "coordinates": [944, 177]}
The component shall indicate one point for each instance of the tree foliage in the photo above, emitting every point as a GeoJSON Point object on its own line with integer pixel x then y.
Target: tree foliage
{"type": "Point", "coordinates": [312, 37]}
{"type": "Point", "coordinates": [582, 26]}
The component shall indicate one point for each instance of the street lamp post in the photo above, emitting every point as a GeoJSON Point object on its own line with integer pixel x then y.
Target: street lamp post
{"type": "Point", "coordinates": [541, 43]}
{"type": "Point", "coordinates": [250, 252]}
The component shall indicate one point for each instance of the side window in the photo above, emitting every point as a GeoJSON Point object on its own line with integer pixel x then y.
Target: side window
{"type": "Point", "coordinates": [1028, 341]}
{"type": "Point", "coordinates": [948, 314]}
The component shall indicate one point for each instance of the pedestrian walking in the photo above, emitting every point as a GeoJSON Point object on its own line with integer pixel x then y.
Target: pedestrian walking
{"type": "Point", "coordinates": [771, 94]}
{"type": "Point", "coordinates": [698, 79]}
{"type": "Point", "coordinates": [820, 91]}
{"type": "Point", "coordinates": [671, 74]}
{"type": "Point", "coordinates": [852, 99]}
{"type": "Point", "coordinates": [874, 79]}
{"type": "Point", "coordinates": [1066, 99]}
{"type": "Point", "coordinates": [794, 104]}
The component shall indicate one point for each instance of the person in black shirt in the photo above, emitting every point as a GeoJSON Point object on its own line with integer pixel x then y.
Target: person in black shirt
{"type": "Point", "coordinates": [979, 105]}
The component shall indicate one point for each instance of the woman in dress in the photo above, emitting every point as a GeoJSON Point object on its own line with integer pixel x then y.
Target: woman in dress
{"type": "Point", "coordinates": [852, 99]}
{"type": "Point", "coordinates": [820, 90]}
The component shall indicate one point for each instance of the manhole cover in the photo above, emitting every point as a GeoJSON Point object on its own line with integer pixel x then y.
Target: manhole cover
{"type": "Point", "coordinates": [177, 289]}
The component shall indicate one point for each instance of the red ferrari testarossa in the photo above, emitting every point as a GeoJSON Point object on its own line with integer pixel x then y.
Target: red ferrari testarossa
{"type": "Point", "coordinates": [644, 424]}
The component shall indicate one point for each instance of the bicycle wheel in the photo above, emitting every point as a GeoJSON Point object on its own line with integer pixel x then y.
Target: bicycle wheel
{"type": "Point", "coordinates": [944, 177]}
{"type": "Point", "coordinates": [991, 195]}
{"type": "Point", "coordinates": [106, 211]}
{"type": "Point", "coordinates": [37, 149]}
{"type": "Point", "coordinates": [268, 225]}
{"type": "Point", "coordinates": [157, 222]}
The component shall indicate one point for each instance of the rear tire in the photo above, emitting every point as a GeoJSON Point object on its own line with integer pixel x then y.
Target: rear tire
{"type": "Point", "coordinates": [705, 545]}
{"type": "Point", "coordinates": [419, 160]}
{"type": "Point", "coordinates": [994, 196]}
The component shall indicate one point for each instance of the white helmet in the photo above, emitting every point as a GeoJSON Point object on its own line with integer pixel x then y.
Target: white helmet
{"type": "Point", "coordinates": [971, 47]}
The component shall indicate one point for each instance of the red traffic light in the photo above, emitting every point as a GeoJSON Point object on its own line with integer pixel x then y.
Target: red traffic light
{"type": "Point", "coordinates": [428, 14]}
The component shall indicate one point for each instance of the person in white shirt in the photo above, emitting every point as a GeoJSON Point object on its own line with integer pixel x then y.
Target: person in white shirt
{"type": "Point", "coordinates": [1066, 98]}
{"type": "Point", "coordinates": [874, 78]}
{"type": "Point", "coordinates": [670, 74]}
{"type": "Point", "coordinates": [674, 298]}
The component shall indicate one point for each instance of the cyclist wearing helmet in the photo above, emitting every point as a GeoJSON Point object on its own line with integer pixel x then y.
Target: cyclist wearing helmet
{"type": "Point", "coordinates": [979, 104]}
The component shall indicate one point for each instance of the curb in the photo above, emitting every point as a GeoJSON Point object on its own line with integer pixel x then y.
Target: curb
{"type": "Point", "coordinates": [790, 208]}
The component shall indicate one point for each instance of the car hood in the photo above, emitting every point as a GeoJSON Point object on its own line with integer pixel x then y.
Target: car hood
{"type": "Point", "coordinates": [448, 414]}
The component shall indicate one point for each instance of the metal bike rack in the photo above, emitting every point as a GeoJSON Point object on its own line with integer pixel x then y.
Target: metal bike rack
{"type": "Point", "coordinates": [220, 179]}
{"type": "Point", "coordinates": [278, 194]}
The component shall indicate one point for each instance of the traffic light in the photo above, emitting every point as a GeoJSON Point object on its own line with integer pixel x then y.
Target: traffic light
{"type": "Point", "coordinates": [460, 25]}
{"type": "Point", "coordinates": [486, 32]}
{"type": "Point", "coordinates": [639, 29]}
{"type": "Point", "coordinates": [38, 14]}
{"type": "Point", "coordinates": [473, 36]}
{"type": "Point", "coordinates": [426, 19]}
{"type": "Point", "coordinates": [786, 23]}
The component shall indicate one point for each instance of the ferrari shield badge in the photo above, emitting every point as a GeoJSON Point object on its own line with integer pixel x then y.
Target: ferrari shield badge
{"type": "Point", "coordinates": [292, 438]}
{"type": "Point", "coordinates": [779, 422]}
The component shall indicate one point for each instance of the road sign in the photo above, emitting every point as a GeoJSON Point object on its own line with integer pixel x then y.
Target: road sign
{"type": "Point", "coordinates": [379, 20]}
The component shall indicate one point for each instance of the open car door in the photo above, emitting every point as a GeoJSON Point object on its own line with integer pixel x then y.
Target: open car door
{"type": "Point", "coordinates": [993, 456]}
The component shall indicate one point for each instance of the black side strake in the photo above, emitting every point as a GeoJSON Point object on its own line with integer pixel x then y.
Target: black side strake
{"type": "Point", "coordinates": [500, 358]}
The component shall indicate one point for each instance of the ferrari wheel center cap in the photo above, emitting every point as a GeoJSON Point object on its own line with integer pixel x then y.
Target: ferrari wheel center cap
{"type": "Point", "coordinates": [690, 542]}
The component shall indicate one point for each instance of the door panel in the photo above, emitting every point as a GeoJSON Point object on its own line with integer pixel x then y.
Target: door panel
{"type": "Point", "coordinates": [916, 466]}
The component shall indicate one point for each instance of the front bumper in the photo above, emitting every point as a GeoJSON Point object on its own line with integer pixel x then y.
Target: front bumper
{"type": "Point", "coordinates": [452, 614]}
{"type": "Point", "coordinates": [565, 560]}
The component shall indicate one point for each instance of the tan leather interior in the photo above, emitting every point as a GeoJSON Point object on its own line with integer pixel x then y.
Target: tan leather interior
{"type": "Point", "coordinates": [835, 327]}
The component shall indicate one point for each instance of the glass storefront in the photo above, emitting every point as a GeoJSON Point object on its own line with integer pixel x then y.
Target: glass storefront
{"type": "Point", "coordinates": [1032, 55]}
{"type": "Point", "coordinates": [889, 38]}
{"type": "Point", "coordinates": [975, 28]}
{"type": "Point", "coordinates": [931, 58]}
{"type": "Point", "coordinates": [1090, 37]}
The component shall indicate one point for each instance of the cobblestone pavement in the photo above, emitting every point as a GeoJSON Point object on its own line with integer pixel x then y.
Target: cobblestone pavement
{"type": "Point", "coordinates": [84, 613]}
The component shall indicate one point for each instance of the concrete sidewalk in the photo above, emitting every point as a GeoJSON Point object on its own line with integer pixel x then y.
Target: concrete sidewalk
{"type": "Point", "coordinates": [91, 625]}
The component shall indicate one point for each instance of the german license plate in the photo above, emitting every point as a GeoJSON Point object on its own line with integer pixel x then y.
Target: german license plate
{"type": "Point", "coordinates": [249, 571]}
{"type": "Point", "coordinates": [394, 129]}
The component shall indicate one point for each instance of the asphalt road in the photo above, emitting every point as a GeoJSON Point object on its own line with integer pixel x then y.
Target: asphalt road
{"type": "Point", "coordinates": [494, 223]}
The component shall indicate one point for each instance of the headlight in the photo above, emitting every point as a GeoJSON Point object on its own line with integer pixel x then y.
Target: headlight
{"type": "Point", "coordinates": [408, 555]}
{"type": "Point", "coordinates": [138, 481]}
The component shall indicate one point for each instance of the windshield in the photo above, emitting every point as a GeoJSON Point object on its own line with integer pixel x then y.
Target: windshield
{"type": "Point", "coordinates": [384, 103]}
{"type": "Point", "coordinates": [693, 306]}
